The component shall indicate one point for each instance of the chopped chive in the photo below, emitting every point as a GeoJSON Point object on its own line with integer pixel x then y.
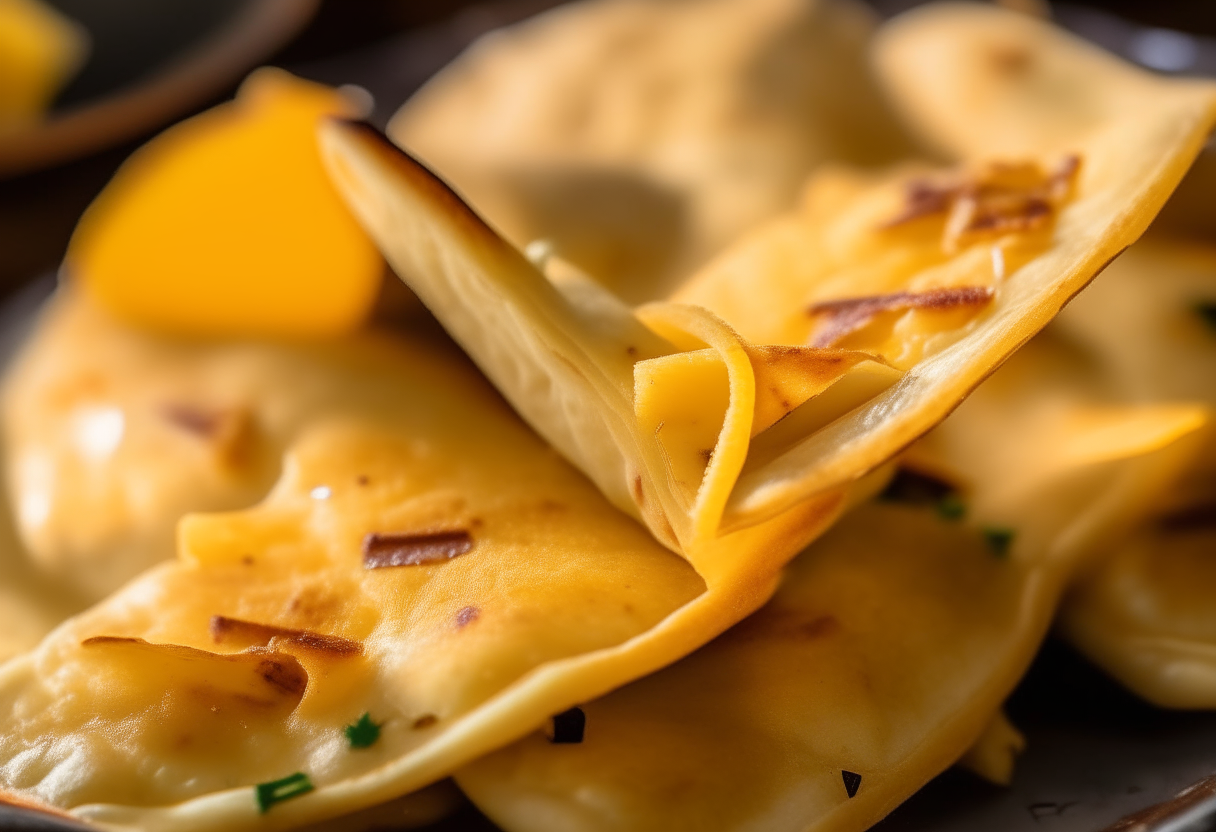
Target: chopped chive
{"type": "Point", "coordinates": [852, 782]}
{"type": "Point", "coordinates": [999, 540]}
{"type": "Point", "coordinates": [1206, 310]}
{"type": "Point", "coordinates": [569, 727]}
{"type": "Point", "coordinates": [951, 507]}
{"type": "Point", "coordinates": [277, 791]}
{"type": "Point", "coordinates": [919, 489]}
{"type": "Point", "coordinates": [364, 733]}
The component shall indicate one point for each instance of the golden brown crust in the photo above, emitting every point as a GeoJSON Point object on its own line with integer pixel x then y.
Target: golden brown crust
{"type": "Point", "coordinates": [847, 315]}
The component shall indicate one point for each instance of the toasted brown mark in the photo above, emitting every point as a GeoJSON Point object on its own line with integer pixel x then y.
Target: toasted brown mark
{"type": "Point", "coordinates": [923, 198]}
{"type": "Point", "coordinates": [279, 670]}
{"type": "Point", "coordinates": [1002, 198]}
{"type": "Point", "coordinates": [227, 630]}
{"type": "Point", "coordinates": [288, 678]}
{"type": "Point", "coordinates": [466, 616]}
{"type": "Point", "coordinates": [844, 317]}
{"type": "Point", "coordinates": [639, 495]}
{"type": "Point", "coordinates": [707, 455]}
{"type": "Point", "coordinates": [1010, 60]}
{"type": "Point", "coordinates": [227, 430]}
{"type": "Point", "coordinates": [192, 419]}
{"type": "Point", "coordinates": [424, 721]}
{"type": "Point", "coordinates": [362, 479]}
{"type": "Point", "coordinates": [385, 550]}
{"type": "Point", "coordinates": [1156, 817]}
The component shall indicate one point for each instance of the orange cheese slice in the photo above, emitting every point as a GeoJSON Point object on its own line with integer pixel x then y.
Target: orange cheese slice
{"type": "Point", "coordinates": [226, 224]}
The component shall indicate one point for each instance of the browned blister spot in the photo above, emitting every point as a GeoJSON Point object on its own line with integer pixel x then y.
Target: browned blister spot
{"type": "Point", "coordinates": [314, 605]}
{"type": "Point", "coordinates": [466, 616]}
{"type": "Point", "coordinates": [998, 199]}
{"type": "Point", "coordinates": [227, 630]}
{"type": "Point", "coordinates": [639, 495]}
{"type": "Point", "coordinates": [259, 677]}
{"type": "Point", "coordinates": [287, 677]}
{"type": "Point", "coordinates": [229, 431]}
{"type": "Point", "coordinates": [424, 721]}
{"type": "Point", "coordinates": [386, 550]}
{"type": "Point", "coordinates": [1010, 59]}
{"type": "Point", "coordinates": [839, 318]}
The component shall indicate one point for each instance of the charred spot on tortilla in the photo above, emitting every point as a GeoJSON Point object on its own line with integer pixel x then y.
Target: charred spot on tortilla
{"type": "Point", "coordinates": [999, 540]}
{"type": "Point", "coordinates": [569, 727]}
{"type": "Point", "coordinates": [424, 721]}
{"type": "Point", "coordinates": [924, 198]}
{"type": "Point", "coordinates": [1011, 59]}
{"type": "Point", "coordinates": [192, 419]}
{"type": "Point", "coordinates": [385, 550]}
{"type": "Point", "coordinates": [852, 782]}
{"type": "Point", "coordinates": [363, 733]}
{"type": "Point", "coordinates": [277, 791]}
{"type": "Point", "coordinates": [466, 616]}
{"type": "Point", "coordinates": [1206, 310]}
{"type": "Point", "coordinates": [227, 429]}
{"type": "Point", "coordinates": [249, 633]}
{"type": "Point", "coordinates": [1000, 198]}
{"type": "Point", "coordinates": [288, 677]}
{"type": "Point", "coordinates": [226, 671]}
{"type": "Point", "coordinates": [840, 318]}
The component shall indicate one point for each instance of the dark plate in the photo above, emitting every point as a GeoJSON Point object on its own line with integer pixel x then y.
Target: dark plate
{"type": "Point", "coordinates": [150, 61]}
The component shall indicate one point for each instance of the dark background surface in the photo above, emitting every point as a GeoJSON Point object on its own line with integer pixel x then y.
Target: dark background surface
{"type": "Point", "coordinates": [391, 47]}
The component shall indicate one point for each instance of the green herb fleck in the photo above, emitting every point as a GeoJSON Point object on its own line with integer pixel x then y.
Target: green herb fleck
{"type": "Point", "coordinates": [1206, 310]}
{"type": "Point", "coordinates": [915, 488]}
{"type": "Point", "coordinates": [364, 733]}
{"type": "Point", "coordinates": [951, 507]}
{"type": "Point", "coordinates": [280, 790]}
{"type": "Point", "coordinates": [999, 540]}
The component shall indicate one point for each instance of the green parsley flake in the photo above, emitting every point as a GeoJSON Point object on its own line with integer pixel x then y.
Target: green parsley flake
{"type": "Point", "coordinates": [364, 733]}
{"type": "Point", "coordinates": [999, 540]}
{"type": "Point", "coordinates": [269, 794]}
{"type": "Point", "coordinates": [1206, 310]}
{"type": "Point", "coordinates": [951, 507]}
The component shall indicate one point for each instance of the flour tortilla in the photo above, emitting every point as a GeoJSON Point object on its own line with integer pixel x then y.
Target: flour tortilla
{"type": "Point", "coordinates": [638, 139]}
{"type": "Point", "coordinates": [889, 647]}
{"type": "Point", "coordinates": [610, 387]}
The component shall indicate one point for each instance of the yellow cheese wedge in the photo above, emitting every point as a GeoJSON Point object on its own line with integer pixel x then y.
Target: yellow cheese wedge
{"type": "Point", "coordinates": [39, 51]}
{"type": "Point", "coordinates": [226, 224]}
